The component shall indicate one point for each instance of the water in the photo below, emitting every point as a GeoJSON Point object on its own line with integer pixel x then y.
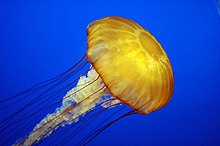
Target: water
{"type": "Point", "coordinates": [41, 39]}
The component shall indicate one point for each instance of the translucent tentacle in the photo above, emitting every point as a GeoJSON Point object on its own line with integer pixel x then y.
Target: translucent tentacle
{"type": "Point", "coordinates": [89, 92]}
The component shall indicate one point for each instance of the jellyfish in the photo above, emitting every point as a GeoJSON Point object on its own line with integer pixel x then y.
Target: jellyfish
{"type": "Point", "coordinates": [128, 67]}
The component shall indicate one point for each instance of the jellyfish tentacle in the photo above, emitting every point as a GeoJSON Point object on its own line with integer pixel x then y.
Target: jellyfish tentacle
{"type": "Point", "coordinates": [77, 102]}
{"type": "Point", "coordinates": [95, 133]}
{"type": "Point", "coordinates": [11, 118]}
{"type": "Point", "coordinates": [89, 120]}
{"type": "Point", "coordinates": [39, 110]}
{"type": "Point", "coordinates": [36, 99]}
{"type": "Point", "coordinates": [38, 85]}
{"type": "Point", "coordinates": [84, 123]}
{"type": "Point", "coordinates": [56, 124]}
{"type": "Point", "coordinates": [89, 83]}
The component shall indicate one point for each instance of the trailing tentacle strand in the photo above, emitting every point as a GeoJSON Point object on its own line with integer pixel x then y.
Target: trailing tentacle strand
{"type": "Point", "coordinates": [89, 92]}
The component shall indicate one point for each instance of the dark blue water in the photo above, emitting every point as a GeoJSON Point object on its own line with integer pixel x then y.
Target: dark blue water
{"type": "Point", "coordinates": [41, 39]}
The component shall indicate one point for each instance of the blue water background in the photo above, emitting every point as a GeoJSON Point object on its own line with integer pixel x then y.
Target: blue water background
{"type": "Point", "coordinates": [40, 39]}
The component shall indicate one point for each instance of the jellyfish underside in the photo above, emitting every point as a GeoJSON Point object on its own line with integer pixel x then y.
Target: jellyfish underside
{"type": "Point", "coordinates": [128, 66]}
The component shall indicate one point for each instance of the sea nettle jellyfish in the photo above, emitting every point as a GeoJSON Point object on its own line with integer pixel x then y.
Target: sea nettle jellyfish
{"type": "Point", "coordinates": [128, 67]}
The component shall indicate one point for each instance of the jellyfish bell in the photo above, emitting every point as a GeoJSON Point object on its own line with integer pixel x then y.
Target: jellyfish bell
{"type": "Point", "coordinates": [128, 66]}
{"type": "Point", "coordinates": [131, 63]}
